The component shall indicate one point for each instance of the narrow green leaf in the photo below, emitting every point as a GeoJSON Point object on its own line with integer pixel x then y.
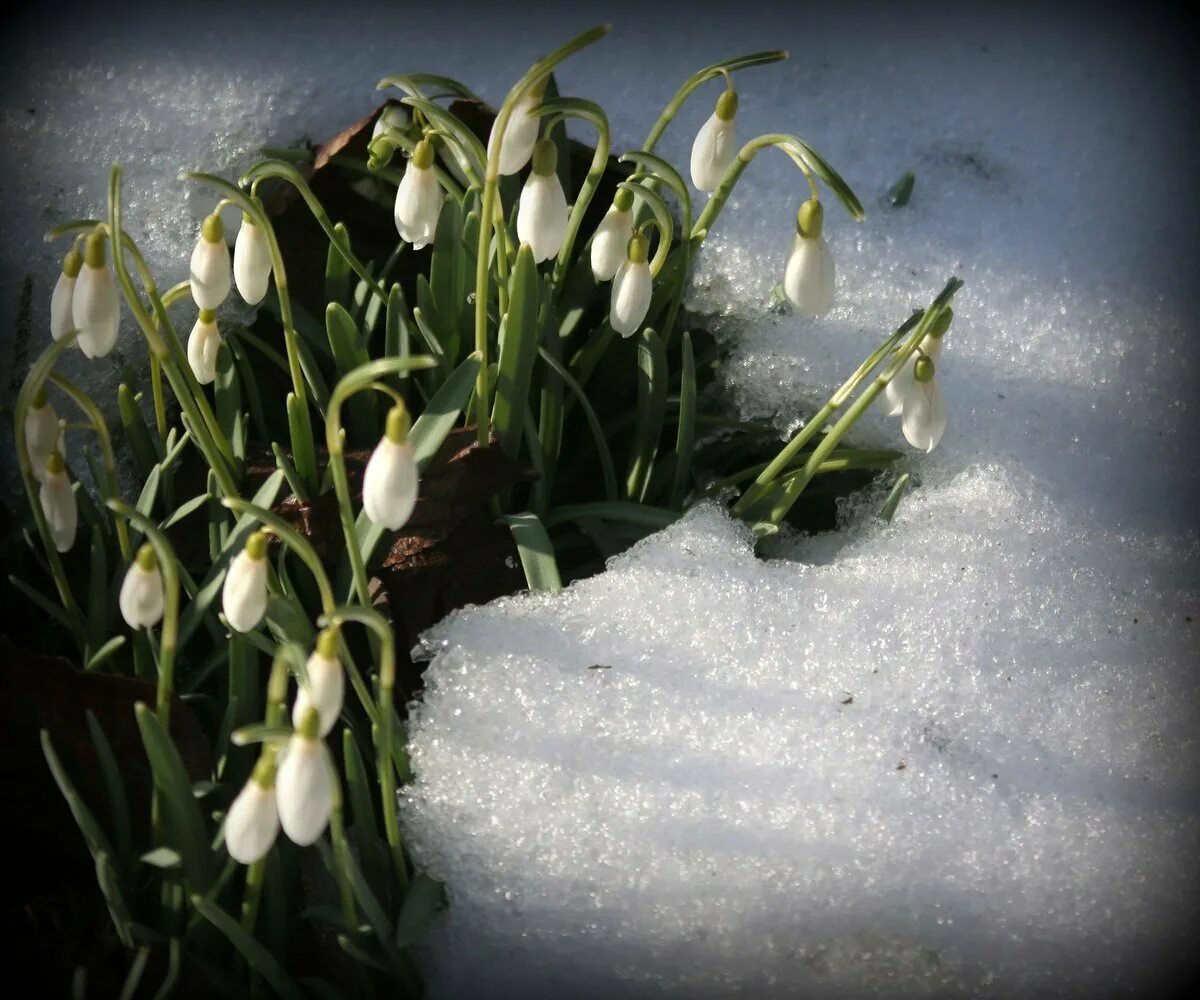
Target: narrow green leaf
{"type": "Point", "coordinates": [227, 397]}
{"type": "Point", "coordinates": [651, 408]}
{"type": "Point", "coordinates": [337, 267]}
{"type": "Point", "coordinates": [518, 348]}
{"type": "Point", "coordinates": [56, 614]}
{"type": "Point", "coordinates": [186, 508]}
{"type": "Point", "coordinates": [424, 898]}
{"type": "Point", "coordinates": [114, 784]}
{"type": "Point", "coordinates": [900, 192]}
{"type": "Point", "coordinates": [255, 954]}
{"type": "Point", "coordinates": [303, 450]}
{"type": "Point", "coordinates": [685, 437]}
{"type": "Point", "coordinates": [149, 494]}
{"type": "Point", "coordinates": [141, 446]}
{"type": "Point", "coordinates": [104, 652]}
{"type": "Point", "coordinates": [396, 331]}
{"type": "Point", "coordinates": [448, 272]}
{"type": "Point", "coordinates": [443, 410]}
{"type": "Point", "coordinates": [629, 513]}
{"type": "Point", "coordinates": [97, 591]}
{"type": "Point", "coordinates": [888, 511]}
{"type": "Point", "coordinates": [536, 551]}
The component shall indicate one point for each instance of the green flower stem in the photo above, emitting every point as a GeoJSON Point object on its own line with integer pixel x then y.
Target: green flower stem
{"type": "Point", "coordinates": [398, 138]}
{"type": "Point", "coordinates": [839, 461]}
{"type": "Point", "coordinates": [96, 419]}
{"type": "Point", "coordinates": [471, 157]}
{"type": "Point", "coordinates": [39, 371]}
{"type": "Point", "coordinates": [168, 565]}
{"type": "Point", "coordinates": [160, 404]}
{"type": "Point", "coordinates": [341, 847]}
{"type": "Point", "coordinates": [358, 380]}
{"type": "Point", "coordinates": [698, 79]}
{"type": "Point", "coordinates": [374, 621]}
{"type": "Point", "coordinates": [814, 425]}
{"type": "Point", "coordinates": [488, 211]}
{"type": "Point", "coordinates": [662, 220]}
{"type": "Point", "coordinates": [796, 485]}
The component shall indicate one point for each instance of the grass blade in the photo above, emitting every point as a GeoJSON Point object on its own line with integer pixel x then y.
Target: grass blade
{"type": "Point", "coordinates": [536, 551]}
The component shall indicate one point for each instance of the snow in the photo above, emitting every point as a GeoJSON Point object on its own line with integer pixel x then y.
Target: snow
{"type": "Point", "coordinates": [705, 812]}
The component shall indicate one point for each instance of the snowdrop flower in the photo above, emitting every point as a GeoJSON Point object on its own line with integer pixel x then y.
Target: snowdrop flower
{"type": "Point", "coordinates": [632, 288]}
{"type": "Point", "coordinates": [251, 262]}
{"type": "Point", "coordinates": [326, 684]}
{"type": "Point", "coordinates": [58, 503]}
{"type": "Point", "coordinates": [244, 595]}
{"type": "Point", "coordinates": [94, 305]}
{"type": "Point", "coordinates": [612, 237]}
{"type": "Point", "coordinates": [203, 344]}
{"type": "Point", "coordinates": [808, 280]}
{"type": "Point", "coordinates": [418, 198]}
{"type": "Point", "coordinates": [141, 598]}
{"type": "Point", "coordinates": [542, 210]}
{"type": "Point", "coordinates": [714, 148]}
{"type": "Point", "coordinates": [252, 823]}
{"type": "Point", "coordinates": [903, 384]}
{"type": "Point", "coordinates": [43, 434]}
{"type": "Point", "coordinates": [304, 784]}
{"type": "Point", "coordinates": [210, 271]}
{"type": "Point", "coordinates": [392, 116]}
{"type": "Point", "coordinates": [390, 481]}
{"type": "Point", "coordinates": [520, 135]}
{"type": "Point", "coordinates": [62, 318]}
{"type": "Point", "coordinates": [924, 417]}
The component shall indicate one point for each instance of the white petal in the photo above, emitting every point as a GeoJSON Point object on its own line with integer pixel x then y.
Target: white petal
{"type": "Point", "coordinates": [252, 823]}
{"type": "Point", "coordinates": [808, 280]}
{"type": "Point", "coordinates": [303, 790]}
{"type": "Point", "coordinates": [713, 152]}
{"type": "Point", "coordinates": [924, 418]}
{"type": "Point", "coordinates": [203, 344]}
{"type": "Point", "coordinates": [390, 484]}
{"type": "Point", "coordinates": [62, 319]}
{"type": "Point", "coordinates": [141, 597]}
{"type": "Point", "coordinates": [610, 243]}
{"type": "Point", "coordinates": [325, 691]}
{"type": "Point", "coordinates": [58, 504]}
{"type": "Point", "coordinates": [519, 137]}
{"type": "Point", "coordinates": [251, 263]}
{"type": "Point", "coordinates": [210, 273]}
{"type": "Point", "coordinates": [542, 215]}
{"type": "Point", "coordinates": [96, 310]}
{"type": "Point", "coordinates": [631, 292]}
{"type": "Point", "coordinates": [418, 205]}
{"type": "Point", "coordinates": [904, 384]}
{"type": "Point", "coordinates": [244, 595]}
{"type": "Point", "coordinates": [43, 434]}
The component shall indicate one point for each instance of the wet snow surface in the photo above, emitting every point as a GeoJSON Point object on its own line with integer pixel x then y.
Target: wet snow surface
{"type": "Point", "coordinates": [950, 756]}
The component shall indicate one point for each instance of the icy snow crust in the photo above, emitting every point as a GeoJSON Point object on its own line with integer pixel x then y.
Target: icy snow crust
{"type": "Point", "coordinates": [683, 777]}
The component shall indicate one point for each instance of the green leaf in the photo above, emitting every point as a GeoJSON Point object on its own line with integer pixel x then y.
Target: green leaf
{"type": "Point", "coordinates": [255, 954]}
{"type": "Point", "coordinates": [434, 344]}
{"type": "Point", "coordinates": [145, 456]}
{"type": "Point", "coordinates": [227, 396]}
{"type": "Point", "coordinates": [365, 831]}
{"type": "Point", "coordinates": [260, 733]}
{"type": "Point", "coordinates": [162, 857]}
{"type": "Point", "coordinates": [888, 511]}
{"type": "Point", "coordinates": [104, 652]}
{"type": "Point", "coordinates": [183, 822]}
{"type": "Point", "coordinates": [518, 347]}
{"type": "Point", "coordinates": [448, 272]}
{"type": "Point", "coordinates": [396, 333]}
{"type": "Point", "coordinates": [149, 494]}
{"type": "Point", "coordinates": [114, 784]}
{"type": "Point", "coordinates": [900, 192]}
{"type": "Point", "coordinates": [685, 438]}
{"type": "Point", "coordinates": [651, 408]}
{"type": "Point", "coordinates": [443, 410]}
{"type": "Point", "coordinates": [424, 898]}
{"type": "Point", "coordinates": [639, 514]}
{"type": "Point", "coordinates": [337, 267]}
{"type": "Point", "coordinates": [56, 614]}
{"type": "Point", "coordinates": [536, 551]}
{"type": "Point", "coordinates": [303, 450]}
{"type": "Point", "coordinates": [606, 460]}
{"type": "Point", "coordinates": [831, 177]}
{"type": "Point", "coordinates": [97, 591]}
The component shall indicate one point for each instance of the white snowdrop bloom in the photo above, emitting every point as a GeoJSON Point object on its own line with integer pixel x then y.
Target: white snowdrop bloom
{"type": "Point", "coordinates": [95, 307]}
{"type": "Point", "coordinates": [203, 344]}
{"type": "Point", "coordinates": [542, 210]}
{"type": "Point", "coordinates": [903, 384]}
{"type": "Point", "coordinates": [612, 237]}
{"type": "Point", "coordinates": [251, 262]}
{"type": "Point", "coordinates": [520, 135]}
{"type": "Point", "coordinates": [808, 279]}
{"type": "Point", "coordinates": [58, 503]}
{"type": "Point", "coordinates": [326, 685]}
{"type": "Point", "coordinates": [141, 597]}
{"type": "Point", "coordinates": [392, 116]}
{"type": "Point", "coordinates": [252, 823]}
{"type": "Point", "coordinates": [304, 783]}
{"type": "Point", "coordinates": [716, 144]}
{"type": "Point", "coordinates": [210, 273]}
{"type": "Point", "coordinates": [924, 417]}
{"type": "Point", "coordinates": [244, 595]}
{"type": "Point", "coordinates": [390, 481]}
{"type": "Point", "coordinates": [632, 289]}
{"type": "Point", "coordinates": [419, 198]}
{"type": "Point", "coordinates": [43, 434]}
{"type": "Point", "coordinates": [62, 317]}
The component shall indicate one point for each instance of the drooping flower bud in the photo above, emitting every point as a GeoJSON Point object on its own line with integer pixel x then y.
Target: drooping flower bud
{"type": "Point", "coordinates": [252, 823]}
{"type": "Point", "coordinates": [203, 344]}
{"type": "Point", "coordinates": [210, 270]}
{"type": "Point", "coordinates": [390, 481]}
{"type": "Point", "coordinates": [244, 594]}
{"type": "Point", "coordinates": [141, 597]}
{"type": "Point", "coordinates": [304, 783]}
{"type": "Point", "coordinates": [716, 144]}
{"type": "Point", "coordinates": [903, 384]}
{"type": "Point", "coordinates": [924, 416]}
{"type": "Point", "coordinates": [419, 198]}
{"type": "Point", "coordinates": [612, 237]}
{"type": "Point", "coordinates": [94, 304]}
{"type": "Point", "coordinates": [808, 280]}
{"type": "Point", "coordinates": [62, 318]}
{"type": "Point", "coordinates": [542, 210]}
{"type": "Point", "coordinates": [251, 262]}
{"type": "Point", "coordinates": [392, 116]}
{"type": "Point", "coordinates": [43, 433]}
{"type": "Point", "coordinates": [326, 685]}
{"type": "Point", "coordinates": [58, 503]}
{"type": "Point", "coordinates": [632, 289]}
{"type": "Point", "coordinates": [520, 135]}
